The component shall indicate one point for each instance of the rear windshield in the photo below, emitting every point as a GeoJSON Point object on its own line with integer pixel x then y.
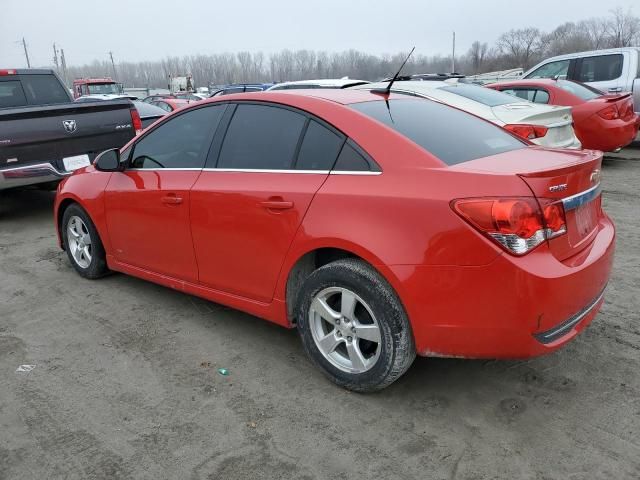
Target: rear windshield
{"type": "Point", "coordinates": [450, 134]}
{"type": "Point", "coordinates": [580, 90]}
{"type": "Point", "coordinates": [483, 95]}
{"type": "Point", "coordinates": [43, 90]}
{"type": "Point", "coordinates": [12, 94]}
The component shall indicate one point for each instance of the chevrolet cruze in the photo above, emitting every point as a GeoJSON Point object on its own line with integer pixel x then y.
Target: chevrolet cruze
{"type": "Point", "coordinates": [380, 225]}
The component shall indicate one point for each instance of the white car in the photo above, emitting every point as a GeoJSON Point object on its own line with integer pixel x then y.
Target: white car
{"type": "Point", "coordinates": [545, 125]}
{"type": "Point", "coordinates": [321, 83]}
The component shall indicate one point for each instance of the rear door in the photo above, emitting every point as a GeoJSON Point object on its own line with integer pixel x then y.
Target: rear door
{"type": "Point", "coordinates": [147, 205]}
{"type": "Point", "coordinates": [605, 72]}
{"type": "Point", "coordinates": [250, 200]}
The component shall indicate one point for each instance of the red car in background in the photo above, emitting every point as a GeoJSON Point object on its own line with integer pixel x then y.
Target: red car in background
{"type": "Point", "coordinates": [337, 212]}
{"type": "Point", "coordinates": [602, 121]}
{"type": "Point", "coordinates": [171, 104]}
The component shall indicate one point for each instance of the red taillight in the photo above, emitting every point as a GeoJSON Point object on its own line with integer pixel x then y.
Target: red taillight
{"type": "Point", "coordinates": [517, 224]}
{"type": "Point", "coordinates": [609, 113]}
{"type": "Point", "coordinates": [135, 119]}
{"type": "Point", "coordinates": [7, 72]}
{"type": "Point", "coordinates": [527, 131]}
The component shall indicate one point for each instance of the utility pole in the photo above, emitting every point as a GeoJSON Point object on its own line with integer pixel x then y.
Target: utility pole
{"type": "Point", "coordinates": [113, 65]}
{"type": "Point", "coordinates": [55, 57]}
{"type": "Point", "coordinates": [26, 54]}
{"type": "Point", "coordinates": [64, 67]}
{"type": "Point", "coordinates": [453, 54]}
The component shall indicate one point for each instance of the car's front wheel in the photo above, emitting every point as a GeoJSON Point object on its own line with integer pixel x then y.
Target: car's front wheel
{"type": "Point", "coordinates": [82, 243]}
{"type": "Point", "coordinates": [353, 326]}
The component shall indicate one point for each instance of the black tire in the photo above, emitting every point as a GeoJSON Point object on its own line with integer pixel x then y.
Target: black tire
{"type": "Point", "coordinates": [97, 267]}
{"type": "Point", "coordinates": [397, 348]}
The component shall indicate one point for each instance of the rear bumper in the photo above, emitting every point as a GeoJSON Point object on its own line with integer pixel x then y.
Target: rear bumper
{"type": "Point", "coordinates": [513, 307]}
{"type": "Point", "coordinates": [607, 135]}
{"type": "Point", "coordinates": [30, 175]}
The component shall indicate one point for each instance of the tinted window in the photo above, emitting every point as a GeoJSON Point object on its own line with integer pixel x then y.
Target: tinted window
{"type": "Point", "coordinates": [229, 91]}
{"type": "Point", "coordinates": [450, 134]}
{"type": "Point", "coordinates": [522, 93]}
{"type": "Point", "coordinates": [43, 90]}
{"type": "Point", "coordinates": [584, 92]}
{"type": "Point", "coordinates": [319, 148]}
{"type": "Point", "coordinates": [350, 160]}
{"type": "Point", "coordinates": [11, 94]}
{"type": "Point", "coordinates": [261, 137]}
{"type": "Point", "coordinates": [483, 95]}
{"type": "Point", "coordinates": [600, 68]}
{"type": "Point", "coordinates": [551, 70]}
{"type": "Point", "coordinates": [541, 96]}
{"type": "Point", "coordinates": [182, 142]}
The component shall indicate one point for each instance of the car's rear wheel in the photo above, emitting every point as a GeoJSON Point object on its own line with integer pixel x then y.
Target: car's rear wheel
{"type": "Point", "coordinates": [353, 326]}
{"type": "Point", "coordinates": [82, 243]}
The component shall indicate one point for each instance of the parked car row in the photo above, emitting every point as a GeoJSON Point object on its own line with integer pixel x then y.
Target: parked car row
{"type": "Point", "coordinates": [417, 216]}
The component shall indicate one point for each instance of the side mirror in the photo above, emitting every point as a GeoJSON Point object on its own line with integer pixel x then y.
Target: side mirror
{"type": "Point", "coordinates": [108, 161]}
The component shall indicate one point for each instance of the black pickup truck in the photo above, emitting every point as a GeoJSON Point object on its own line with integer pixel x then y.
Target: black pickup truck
{"type": "Point", "coordinates": [44, 135]}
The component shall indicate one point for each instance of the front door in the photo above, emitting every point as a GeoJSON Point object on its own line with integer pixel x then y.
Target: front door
{"type": "Point", "coordinates": [147, 205]}
{"type": "Point", "coordinates": [246, 211]}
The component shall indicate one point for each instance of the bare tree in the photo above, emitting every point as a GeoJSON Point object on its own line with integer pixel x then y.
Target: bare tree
{"type": "Point", "coordinates": [520, 45]}
{"type": "Point", "coordinates": [623, 29]}
{"type": "Point", "coordinates": [476, 55]}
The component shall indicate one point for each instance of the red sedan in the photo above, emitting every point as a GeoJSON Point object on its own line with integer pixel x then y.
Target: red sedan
{"type": "Point", "coordinates": [339, 213]}
{"type": "Point", "coordinates": [601, 122]}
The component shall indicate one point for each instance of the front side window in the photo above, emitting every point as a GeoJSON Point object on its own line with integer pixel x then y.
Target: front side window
{"type": "Point", "coordinates": [261, 137]}
{"type": "Point", "coordinates": [600, 68]}
{"type": "Point", "coordinates": [450, 134]}
{"type": "Point", "coordinates": [319, 149]}
{"type": "Point", "coordinates": [557, 69]}
{"type": "Point", "coordinates": [181, 142]}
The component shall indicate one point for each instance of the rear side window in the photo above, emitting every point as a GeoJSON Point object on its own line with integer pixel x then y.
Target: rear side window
{"type": "Point", "coordinates": [486, 96]}
{"type": "Point", "coordinates": [350, 160]}
{"type": "Point", "coordinates": [181, 142]}
{"type": "Point", "coordinates": [451, 135]}
{"type": "Point", "coordinates": [551, 70]}
{"type": "Point", "coordinates": [261, 137]}
{"type": "Point", "coordinates": [584, 92]}
{"type": "Point", "coordinates": [600, 68]}
{"type": "Point", "coordinates": [43, 90]}
{"type": "Point", "coordinates": [319, 149]}
{"type": "Point", "coordinates": [12, 94]}
{"type": "Point", "coordinates": [523, 93]}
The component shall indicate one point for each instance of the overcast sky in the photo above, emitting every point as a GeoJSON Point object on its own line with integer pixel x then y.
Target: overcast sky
{"type": "Point", "coordinates": [149, 30]}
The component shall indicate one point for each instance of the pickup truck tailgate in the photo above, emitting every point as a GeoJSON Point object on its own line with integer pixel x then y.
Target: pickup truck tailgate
{"type": "Point", "coordinates": [33, 134]}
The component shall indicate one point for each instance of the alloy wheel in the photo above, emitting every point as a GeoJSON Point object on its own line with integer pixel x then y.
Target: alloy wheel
{"type": "Point", "coordinates": [79, 241]}
{"type": "Point", "coordinates": [345, 330]}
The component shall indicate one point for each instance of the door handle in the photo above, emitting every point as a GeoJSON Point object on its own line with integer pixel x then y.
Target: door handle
{"type": "Point", "coordinates": [277, 205]}
{"type": "Point", "coordinates": [615, 89]}
{"type": "Point", "coordinates": [172, 200]}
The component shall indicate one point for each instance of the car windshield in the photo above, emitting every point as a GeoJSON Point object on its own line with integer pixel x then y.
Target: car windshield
{"type": "Point", "coordinates": [485, 96]}
{"type": "Point", "coordinates": [105, 88]}
{"type": "Point", "coordinates": [450, 134]}
{"type": "Point", "coordinates": [580, 90]}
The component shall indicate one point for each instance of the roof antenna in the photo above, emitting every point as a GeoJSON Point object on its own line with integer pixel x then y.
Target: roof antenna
{"type": "Point", "coordinates": [387, 90]}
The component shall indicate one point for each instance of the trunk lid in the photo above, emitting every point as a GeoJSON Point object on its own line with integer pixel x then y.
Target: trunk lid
{"type": "Point", "coordinates": [570, 177]}
{"type": "Point", "coordinates": [556, 118]}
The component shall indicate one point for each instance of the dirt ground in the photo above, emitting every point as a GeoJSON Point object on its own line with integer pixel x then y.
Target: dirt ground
{"type": "Point", "coordinates": [125, 383]}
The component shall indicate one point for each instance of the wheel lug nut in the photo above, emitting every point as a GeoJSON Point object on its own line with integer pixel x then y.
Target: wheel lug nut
{"type": "Point", "coordinates": [349, 339]}
{"type": "Point", "coordinates": [338, 321]}
{"type": "Point", "coordinates": [339, 334]}
{"type": "Point", "coordinates": [353, 329]}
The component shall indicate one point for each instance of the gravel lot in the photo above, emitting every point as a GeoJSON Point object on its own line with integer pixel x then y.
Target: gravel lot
{"type": "Point", "coordinates": [125, 383]}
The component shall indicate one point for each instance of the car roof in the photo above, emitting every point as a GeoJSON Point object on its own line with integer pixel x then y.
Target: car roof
{"type": "Point", "coordinates": [534, 81]}
{"type": "Point", "coordinates": [343, 97]}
